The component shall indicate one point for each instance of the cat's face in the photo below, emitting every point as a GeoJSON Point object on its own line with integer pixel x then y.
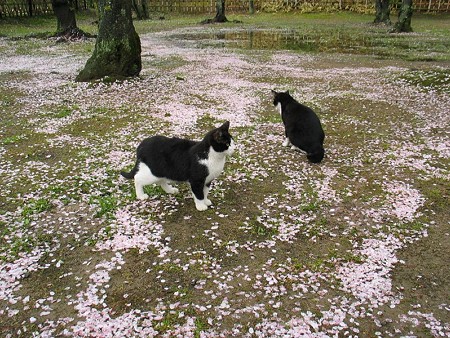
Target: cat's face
{"type": "Point", "coordinates": [279, 97]}
{"type": "Point", "coordinates": [221, 139]}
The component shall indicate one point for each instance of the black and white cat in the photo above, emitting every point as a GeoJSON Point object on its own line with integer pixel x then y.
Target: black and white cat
{"type": "Point", "coordinates": [303, 129]}
{"type": "Point", "coordinates": [161, 160]}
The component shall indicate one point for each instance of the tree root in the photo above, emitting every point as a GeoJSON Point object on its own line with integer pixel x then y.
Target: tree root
{"type": "Point", "coordinates": [218, 20]}
{"type": "Point", "coordinates": [72, 34]}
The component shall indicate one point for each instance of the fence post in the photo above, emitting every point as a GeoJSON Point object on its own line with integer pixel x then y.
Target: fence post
{"type": "Point", "coordinates": [251, 6]}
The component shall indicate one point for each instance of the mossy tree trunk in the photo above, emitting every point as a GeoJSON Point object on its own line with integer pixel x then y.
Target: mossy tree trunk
{"type": "Point", "coordinates": [117, 52]}
{"type": "Point", "coordinates": [403, 25]}
{"type": "Point", "coordinates": [382, 12]}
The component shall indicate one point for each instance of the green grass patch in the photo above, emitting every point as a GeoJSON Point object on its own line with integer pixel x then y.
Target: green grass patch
{"type": "Point", "coordinates": [261, 230]}
{"type": "Point", "coordinates": [169, 64]}
{"type": "Point", "coordinates": [207, 122]}
{"type": "Point", "coordinates": [63, 112]}
{"type": "Point", "coordinates": [200, 326]}
{"type": "Point", "coordinates": [36, 207]}
{"type": "Point", "coordinates": [106, 205]}
{"type": "Point", "coordinates": [12, 139]}
{"type": "Point", "coordinates": [437, 80]}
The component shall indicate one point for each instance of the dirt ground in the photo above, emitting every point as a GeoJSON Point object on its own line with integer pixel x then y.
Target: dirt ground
{"type": "Point", "coordinates": [356, 246]}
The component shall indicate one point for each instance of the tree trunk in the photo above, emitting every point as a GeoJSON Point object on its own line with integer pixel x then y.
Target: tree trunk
{"type": "Point", "coordinates": [403, 25]}
{"type": "Point", "coordinates": [117, 52]}
{"type": "Point", "coordinates": [140, 8]}
{"type": "Point", "coordinates": [382, 12]}
{"type": "Point", "coordinates": [65, 15]}
{"type": "Point", "coordinates": [220, 11]}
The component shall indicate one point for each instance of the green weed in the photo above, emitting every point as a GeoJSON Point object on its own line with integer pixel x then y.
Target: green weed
{"type": "Point", "coordinates": [12, 139]}
{"type": "Point", "coordinates": [350, 257]}
{"type": "Point", "coordinates": [261, 230]}
{"type": "Point", "coordinates": [63, 112]}
{"type": "Point", "coordinates": [415, 226]}
{"type": "Point", "coordinates": [169, 267]}
{"type": "Point", "coordinates": [106, 205]}
{"type": "Point", "coordinates": [311, 206]}
{"type": "Point", "coordinates": [36, 207]}
{"type": "Point", "coordinates": [153, 190]}
{"type": "Point", "coordinates": [200, 326]}
{"type": "Point", "coordinates": [20, 245]}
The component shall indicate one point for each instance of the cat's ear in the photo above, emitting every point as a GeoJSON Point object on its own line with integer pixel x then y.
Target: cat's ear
{"type": "Point", "coordinates": [220, 132]}
{"type": "Point", "coordinates": [274, 93]}
{"type": "Point", "coordinates": [225, 126]}
{"type": "Point", "coordinates": [287, 92]}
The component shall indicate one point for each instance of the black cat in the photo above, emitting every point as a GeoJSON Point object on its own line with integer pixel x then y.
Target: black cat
{"type": "Point", "coordinates": [161, 160]}
{"type": "Point", "coordinates": [303, 129]}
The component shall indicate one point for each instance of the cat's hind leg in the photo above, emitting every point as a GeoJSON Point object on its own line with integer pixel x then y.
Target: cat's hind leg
{"type": "Point", "coordinates": [167, 187]}
{"type": "Point", "coordinates": [286, 142]}
{"type": "Point", "coordinates": [297, 144]}
{"type": "Point", "coordinates": [298, 149]}
{"type": "Point", "coordinates": [142, 178]}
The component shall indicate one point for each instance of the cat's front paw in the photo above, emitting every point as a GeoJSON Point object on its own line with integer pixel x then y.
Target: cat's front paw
{"type": "Point", "coordinates": [201, 206]}
{"type": "Point", "coordinates": [208, 202]}
{"type": "Point", "coordinates": [286, 142]}
{"type": "Point", "coordinates": [142, 197]}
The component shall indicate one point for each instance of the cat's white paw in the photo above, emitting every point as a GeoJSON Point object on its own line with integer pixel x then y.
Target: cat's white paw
{"type": "Point", "coordinates": [286, 143]}
{"type": "Point", "coordinates": [201, 206]}
{"type": "Point", "coordinates": [142, 197]}
{"type": "Point", "coordinates": [171, 190]}
{"type": "Point", "coordinates": [208, 202]}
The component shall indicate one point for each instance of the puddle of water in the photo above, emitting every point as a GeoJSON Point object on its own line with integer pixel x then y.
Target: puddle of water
{"type": "Point", "coordinates": [370, 43]}
{"type": "Point", "coordinates": [275, 40]}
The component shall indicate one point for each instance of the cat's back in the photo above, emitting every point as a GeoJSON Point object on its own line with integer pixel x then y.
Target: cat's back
{"type": "Point", "coordinates": [301, 121]}
{"type": "Point", "coordinates": [160, 148]}
{"type": "Point", "coordinates": [297, 112]}
{"type": "Point", "coordinates": [163, 144]}
{"type": "Point", "coordinates": [167, 157]}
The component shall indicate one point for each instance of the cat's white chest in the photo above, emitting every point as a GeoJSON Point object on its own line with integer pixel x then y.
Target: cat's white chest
{"type": "Point", "coordinates": [278, 108]}
{"type": "Point", "coordinates": [214, 163]}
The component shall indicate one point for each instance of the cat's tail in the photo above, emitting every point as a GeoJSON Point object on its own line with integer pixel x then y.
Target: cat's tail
{"type": "Point", "coordinates": [316, 156]}
{"type": "Point", "coordinates": [132, 173]}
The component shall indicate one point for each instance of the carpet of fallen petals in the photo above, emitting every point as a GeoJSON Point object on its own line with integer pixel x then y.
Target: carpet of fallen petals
{"type": "Point", "coordinates": [288, 249]}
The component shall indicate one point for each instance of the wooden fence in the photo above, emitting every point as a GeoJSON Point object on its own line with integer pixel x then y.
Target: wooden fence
{"type": "Point", "coordinates": [24, 8]}
{"type": "Point", "coordinates": [18, 8]}
{"type": "Point", "coordinates": [242, 6]}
